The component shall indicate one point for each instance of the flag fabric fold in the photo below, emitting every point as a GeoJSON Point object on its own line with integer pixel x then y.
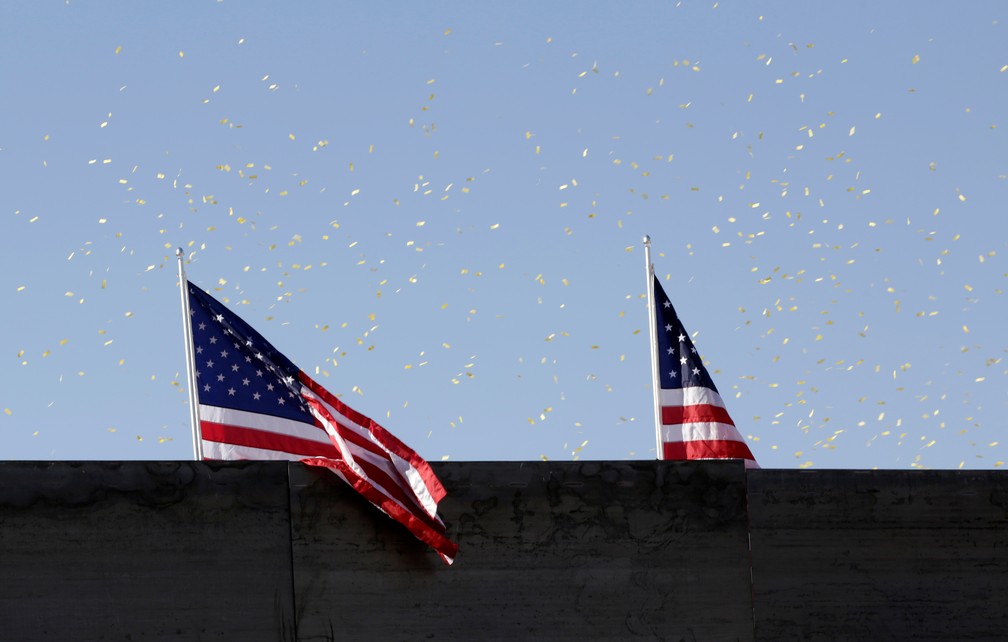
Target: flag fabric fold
{"type": "Point", "coordinates": [254, 403]}
{"type": "Point", "coordinates": [694, 421]}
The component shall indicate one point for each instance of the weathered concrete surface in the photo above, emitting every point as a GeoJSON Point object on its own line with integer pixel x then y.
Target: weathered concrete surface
{"type": "Point", "coordinates": [879, 555]}
{"type": "Point", "coordinates": [558, 551]}
{"type": "Point", "coordinates": [145, 551]}
{"type": "Point", "coordinates": [549, 550]}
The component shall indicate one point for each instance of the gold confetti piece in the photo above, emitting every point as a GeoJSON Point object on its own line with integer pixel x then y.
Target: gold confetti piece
{"type": "Point", "coordinates": [915, 59]}
{"type": "Point", "coordinates": [181, 54]}
{"type": "Point", "coordinates": [7, 411]}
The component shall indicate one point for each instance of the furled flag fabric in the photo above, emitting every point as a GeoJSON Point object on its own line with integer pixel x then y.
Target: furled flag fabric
{"type": "Point", "coordinates": [254, 403]}
{"type": "Point", "coordinates": [694, 421]}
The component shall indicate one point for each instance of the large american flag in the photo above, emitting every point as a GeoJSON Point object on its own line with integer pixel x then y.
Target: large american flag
{"type": "Point", "coordinates": [694, 421]}
{"type": "Point", "coordinates": [254, 403]}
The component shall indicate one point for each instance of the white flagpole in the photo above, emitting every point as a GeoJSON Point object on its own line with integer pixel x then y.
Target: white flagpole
{"type": "Point", "coordinates": [653, 325]}
{"type": "Point", "coordinates": [190, 359]}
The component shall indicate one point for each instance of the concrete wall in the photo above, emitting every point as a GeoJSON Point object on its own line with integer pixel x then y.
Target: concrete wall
{"type": "Point", "coordinates": [571, 550]}
{"type": "Point", "coordinates": [557, 551]}
{"type": "Point", "coordinates": [145, 551]}
{"type": "Point", "coordinates": [892, 555]}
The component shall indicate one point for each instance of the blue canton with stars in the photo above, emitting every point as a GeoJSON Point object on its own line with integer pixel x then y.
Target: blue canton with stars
{"type": "Point", "coordinates": [237, 368]}
{"type": "Point", "coordinates": [679, 364]}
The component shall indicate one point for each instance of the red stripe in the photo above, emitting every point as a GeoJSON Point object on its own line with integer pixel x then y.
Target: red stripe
{"type": "Point", "coordinates": [386, 438]}
{"type": "Point", "coordinates": [350, 435]}
{"type": "Point", "coordinates": [700, 413]}
{"type": "Point", "coordinates": [381, 478]}
{"type": "Point", "coordinates": [266, 440]}
{"type": "Point", "coordinates": [431, 534]}
{"type": "Point", "coordinates": [390, 484]}
{"type": "Point", "coordinates": [706, 449]}
{"type": "Point", "coordinates": [384, 474]}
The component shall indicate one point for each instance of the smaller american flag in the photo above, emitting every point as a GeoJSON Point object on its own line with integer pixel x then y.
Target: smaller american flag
{"type": "Point", "coordinates": [254, 403]}
{"type": "Point", "coordinates": [694, 421]}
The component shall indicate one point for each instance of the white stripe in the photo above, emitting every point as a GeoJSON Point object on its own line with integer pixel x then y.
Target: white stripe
{"type": "Point", "coordinates": [267, 423]}
{"type": "Point", "coordinates": [402, 469]}
{"type": "Point", "coordinates": [406, 477]}
{"type": "Point", "coordinates": [700, 431]}
{"type": "Point", "coordinates": [352, 452]}
{"type": "Point", "coordinates": [690, 397]}
{"type": "Point", "coordinates": [291, 428]}
{"type": "Point", "coordinates": [230, 452]}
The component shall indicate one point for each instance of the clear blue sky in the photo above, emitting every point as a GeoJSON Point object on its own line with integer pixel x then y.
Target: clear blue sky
{"type": "Point", "coordinates": [437, 211]}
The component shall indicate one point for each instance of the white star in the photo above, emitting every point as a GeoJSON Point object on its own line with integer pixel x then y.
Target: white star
{"type": "Point", "coordinates": [224, 354]}
{"type": "Point", "coordinates": [220, 377]}
{"type": "Point", "coordinates": [280, 401]}
{"type": "Point", "coordinates": [202, 326]}
{"type": "Point", "coordinates": [672, 374]}
{"type": "Point", "coordinates": [696, 371]}
{"type": "Point", "coordinates": [256, 396]}
{"type": "Point", "coordinates": [206, 388]}
{"type": "Point", "coordinates": [199, 349]}
{"type": "Point", "coordinates": [682, 360]}
{"type": "Point", "coordinates": [231, 392]}
{"type": "Point", "coordinates": [269, 387]}
{"type": "Point", "coordinates": [213, 339]}
{"type": "Point", "coordinates": [245, 381]}
{"type": "Point", "coordinates": [668, 327]}
{"type": "Point", "coordinates": [671, 351]}
{"type": "Point", "coordinates": [209, 364]}
{"type": "Point", "coordinates": [682, 337]}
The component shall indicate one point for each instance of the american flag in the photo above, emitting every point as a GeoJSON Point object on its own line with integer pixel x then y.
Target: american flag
{"type": "Point", "coordinates": [254, 403]}
{"type": "Point", "coordinates": [694, 421]}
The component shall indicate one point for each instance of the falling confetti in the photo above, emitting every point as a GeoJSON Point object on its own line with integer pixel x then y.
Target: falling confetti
{"type": "Point", "coordinates": [466, 226]}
